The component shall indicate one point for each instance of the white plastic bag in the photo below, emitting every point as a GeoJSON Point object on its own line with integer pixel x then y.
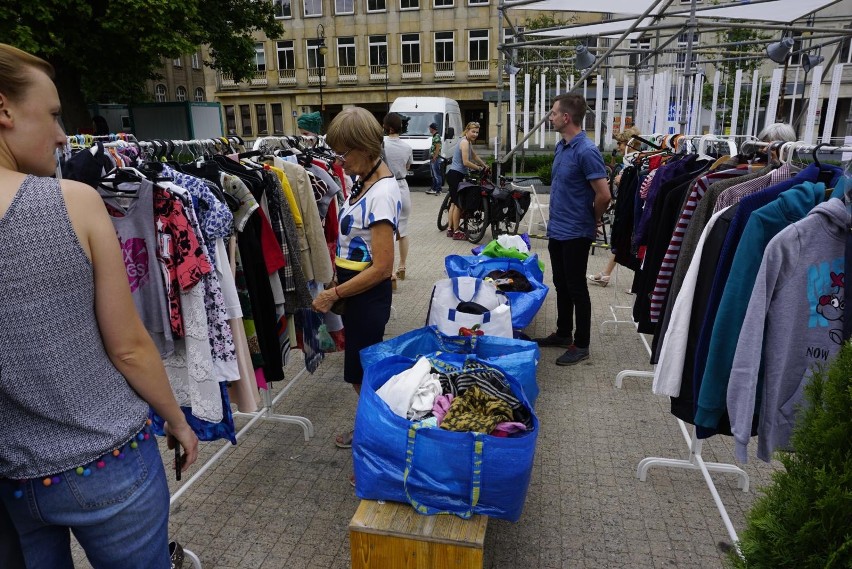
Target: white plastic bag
{"type": "Point", "coordinates": [449, 293]}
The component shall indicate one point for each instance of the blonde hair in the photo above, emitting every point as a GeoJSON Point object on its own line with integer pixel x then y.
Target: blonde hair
{"type": "Point", "coordinates": [626, 136]}
{"type": "Point", "coordinates": [356, 127]}
{"type": "Point", "coordinates": [14, 64]}
{"type": "Point", "coordinates": [470, 125]}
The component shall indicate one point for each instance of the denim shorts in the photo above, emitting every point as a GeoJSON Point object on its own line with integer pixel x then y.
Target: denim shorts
{"type": "Point", "coordinates": [117, 507]}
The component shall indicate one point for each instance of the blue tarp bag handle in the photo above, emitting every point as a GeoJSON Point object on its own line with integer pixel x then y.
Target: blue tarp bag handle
{"type": "Point", "coordinates": [476, 285]}
{"type": "Point", "coordinates": [475, 479]}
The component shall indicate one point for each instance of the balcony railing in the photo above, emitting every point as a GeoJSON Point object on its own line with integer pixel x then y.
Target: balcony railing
{"type": "Point", "coordinates": [378, 73]}
{"type": "Point", "coordinates": [259, 79]}
{"type": "Point", "coordinates": [445, 70]}
{"type": "Point", "coordinates": [347, 74]}
{"type": "Point", "coordinates": [478, 68]}
{"type": "Point", "coordinates": [316, 75]}
{"type": "Point", "coordinates": [411, 71]}
{"type": "Point", "coordinates": [286, 76]}
{"type": "Point", "coordinates": [226, 81]}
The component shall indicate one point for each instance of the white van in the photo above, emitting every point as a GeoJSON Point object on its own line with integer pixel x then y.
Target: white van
{"type": "Point", "coordinates": [421, 112]}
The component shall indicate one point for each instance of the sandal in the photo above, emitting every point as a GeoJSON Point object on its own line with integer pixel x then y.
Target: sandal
{"type": "Point", "coordinates": [400, 273]}
{"type": "Point", "coordinates": [343, 440]}
{"type": "Point", "coordinates": [599, 279]}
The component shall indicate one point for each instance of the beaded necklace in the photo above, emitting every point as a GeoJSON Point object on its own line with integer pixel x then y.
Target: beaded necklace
{"type": "Point", "coordinates": [359, 185]}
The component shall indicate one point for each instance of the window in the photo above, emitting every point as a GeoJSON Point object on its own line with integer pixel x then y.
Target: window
{"type": "Point", "coordinates": [443, 3]}
{"type": "Point", "coordinates": [378, 51]}
{"type": "Point", "coordinates": [286, 55]}
{"type": "Point", "coordinates": [245, 119]}
{"type": "Point", "coordinates": [316, 60]}
{"type": "Point", "coordinates": [259, 57]}
{"type": "Point", "coordinates": [277, 119]}
{"type": "Point", "coordinates": [230, 119]}
{"type": "Point", "coordinates": [160, 93]}
{"type": "Point", "coordinates": [409, 4]}
{"type": "Point", "coordinates": [410, 49]}
{"type": "Point", "coordinates": [176, 62]}
{"type": "Point", "coordinates": [477, 2]}
{"type": "Point", "coordinates": [199, 95]}
{"type": "Point", "coordinates": [313, 8]}
{"type": "Point", "coordinates": [346, 52]}
{"type": "Point", "coordinates": [642, 45]}
{"type": "Point", "coordinates": [196, 60]}
{"type": "Point", "coordinates": [180, 94]}
{"type": "Point", "coordinates": [376, 6]}
{"type": "Point", "coordinates": [344, 7]}
{"type": "Point", "coordinates": [282, 8]}
{"type": "Point", "coordinates": [796, 56]}
{"type": "Point", "coordinates": [260, 113]}
{"type": "Point", "coordinates": [682, 44]}
{"type": "Point", "coordinates": [845, 53]}
{"type": "Point", "coordinates": [478, 46]}
{"type": "Point", "coordinates": [444, 47]}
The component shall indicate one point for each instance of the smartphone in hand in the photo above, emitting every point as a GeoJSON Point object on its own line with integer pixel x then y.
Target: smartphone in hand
{"type": "Point", "coordinates": [178, 461]}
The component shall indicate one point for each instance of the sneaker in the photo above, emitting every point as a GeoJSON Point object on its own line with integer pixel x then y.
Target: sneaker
{"type": "Point", "coordinates": [572, 356]}
{"type": "Point", "coordinates": [432, 192]}
{"type": "Point", "coordinates": [459, 236]}
{"type": "Point", "coordinates": [599, 279]}
{"type": "Point", "coordinates": [554, 341]}
{"type": "Point", "coordinates": [450, 233]}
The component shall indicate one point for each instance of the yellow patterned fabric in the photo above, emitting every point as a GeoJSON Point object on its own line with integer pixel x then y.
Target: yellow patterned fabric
{"type": "Point", "coordinates": [476, 411]}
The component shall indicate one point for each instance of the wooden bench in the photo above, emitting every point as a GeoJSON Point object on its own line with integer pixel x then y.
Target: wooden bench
{"type": "Point", "coordinates": [393, 536]}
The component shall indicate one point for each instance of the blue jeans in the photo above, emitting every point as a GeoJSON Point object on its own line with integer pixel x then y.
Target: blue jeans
{"type": "Point", "coordinates": [119, 513]}
{"type": "Point", "coordinates": [437, 175]}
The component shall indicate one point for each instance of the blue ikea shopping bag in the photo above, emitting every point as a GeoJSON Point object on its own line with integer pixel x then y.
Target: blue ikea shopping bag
{"type": "Point", "coordinates": [525, 305]}
{"type": "Point", "coordinates": [518, 358]}
{"type": "Point", "coordinates": [435, 470]}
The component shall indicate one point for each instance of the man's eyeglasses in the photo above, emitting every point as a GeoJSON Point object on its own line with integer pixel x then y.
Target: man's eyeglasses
{"type": "Point", "coordinates": [341, 157]}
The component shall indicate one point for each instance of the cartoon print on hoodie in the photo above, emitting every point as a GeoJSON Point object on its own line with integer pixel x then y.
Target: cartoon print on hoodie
{"type": "Point", "coordinates": [831, 306]}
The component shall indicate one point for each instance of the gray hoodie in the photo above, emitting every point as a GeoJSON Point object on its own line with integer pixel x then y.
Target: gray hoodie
{"type": "Point", "coordinates": [794, 319]}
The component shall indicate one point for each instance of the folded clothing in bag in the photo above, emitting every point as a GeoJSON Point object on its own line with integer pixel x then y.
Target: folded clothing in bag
{"type": "Point", "coordinates": [433, 469]}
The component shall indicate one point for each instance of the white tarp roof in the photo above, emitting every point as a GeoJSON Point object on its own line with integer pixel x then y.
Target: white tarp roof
{"type": "Point", "coordinates": [633, 7]}
{"type": "Point", "coordinates": [783, 11]}
{"type": "Point", "coordinates": [605, 29]}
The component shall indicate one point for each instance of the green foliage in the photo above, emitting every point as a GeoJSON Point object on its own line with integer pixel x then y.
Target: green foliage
{"type": "Point", "coordinates": [544, 173]}
{"type": "Point", "coordinates": [747, 57]}
{"type": "Point", "coordinates": [107, 49]}
{"type": "Point", "coordinates": [560, 61]}
{"type": "Point", "coordinates": [804, 518]}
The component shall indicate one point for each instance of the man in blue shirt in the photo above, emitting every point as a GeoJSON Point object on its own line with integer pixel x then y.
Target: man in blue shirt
{"type": "Point", "coordinates": [579, 195]}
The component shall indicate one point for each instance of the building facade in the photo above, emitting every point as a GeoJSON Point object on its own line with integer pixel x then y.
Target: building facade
{"type": "Point", "coordinates": [182, 79]}
{"type": "Point", "coordinates": [337, 53]}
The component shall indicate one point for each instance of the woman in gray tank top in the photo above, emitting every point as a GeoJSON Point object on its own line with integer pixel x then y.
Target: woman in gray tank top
{"type": "Point", "coordinates": [77, 368]}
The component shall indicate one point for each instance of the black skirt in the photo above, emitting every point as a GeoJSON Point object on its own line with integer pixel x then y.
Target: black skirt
{"type": "Point", "coordinates": [364, 321]}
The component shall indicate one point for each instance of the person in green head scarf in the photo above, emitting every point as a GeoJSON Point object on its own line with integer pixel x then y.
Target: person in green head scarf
{"type": "Point", "coordinates": [310, 125]}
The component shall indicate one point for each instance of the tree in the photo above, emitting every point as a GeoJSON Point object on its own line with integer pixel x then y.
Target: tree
{"type": "Point", "coordinates": [558, 61]}
{"type": "Point", "coordinates": [804, 518]}
{"type": "Point", "coordinates": [105, 50]}
{"type": "Point", "coordinates": [745, 56]}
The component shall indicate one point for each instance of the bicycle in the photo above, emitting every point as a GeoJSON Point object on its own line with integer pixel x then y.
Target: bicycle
{"type": "Point", "coordinates": [475, 204]}
{"type": "Point", "coordinates": [508, 207]}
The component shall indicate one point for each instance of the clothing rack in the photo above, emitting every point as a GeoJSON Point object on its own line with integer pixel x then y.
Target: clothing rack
{"type": "Point", "coordinates": [269, 403]}
{"type": "Point", "coordinates": [694, 459]}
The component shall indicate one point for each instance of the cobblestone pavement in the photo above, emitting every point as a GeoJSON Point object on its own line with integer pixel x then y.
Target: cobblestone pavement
{"type": "Point", "coordinates": [276, 501]}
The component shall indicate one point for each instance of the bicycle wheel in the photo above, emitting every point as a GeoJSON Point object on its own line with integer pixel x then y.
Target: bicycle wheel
{"type": "Point", "coordinates": [476, 222]}
{"type": "Point", "coordinates": [509, 220]}
{"type": "Point", "coordinates": [444, 214]}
